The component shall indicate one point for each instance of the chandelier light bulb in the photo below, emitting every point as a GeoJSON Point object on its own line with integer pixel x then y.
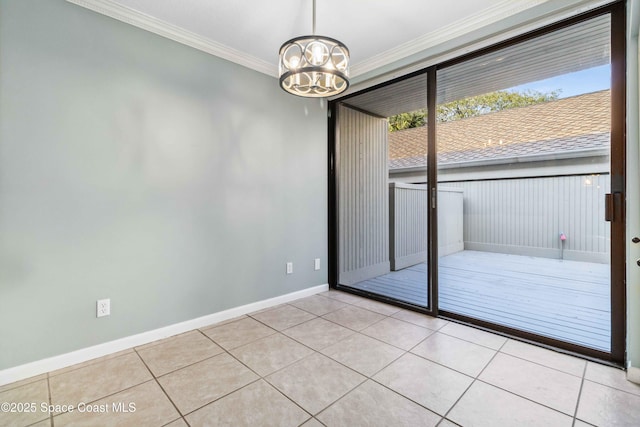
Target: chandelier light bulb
{"type": "Point", "coordinates": [314, 66]}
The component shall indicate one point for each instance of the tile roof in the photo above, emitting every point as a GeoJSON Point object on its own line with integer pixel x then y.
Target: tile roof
{"type": "Point", "coordinates": [566, 125]}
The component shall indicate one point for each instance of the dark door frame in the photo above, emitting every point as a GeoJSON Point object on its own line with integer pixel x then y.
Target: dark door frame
{"type": "Point", "coordinates": [617, 11]}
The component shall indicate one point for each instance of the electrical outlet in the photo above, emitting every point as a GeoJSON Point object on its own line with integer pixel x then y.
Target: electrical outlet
{"type": "Point", "coordinates": [316, 265]}
{"type": "Point", "coordinates": [289, 268]}
{"type": "Point", "coordinates": [103, 307]}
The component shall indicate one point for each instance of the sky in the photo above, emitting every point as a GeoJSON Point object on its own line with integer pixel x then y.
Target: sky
{"type": "Point", "coordinates": [585, 81]}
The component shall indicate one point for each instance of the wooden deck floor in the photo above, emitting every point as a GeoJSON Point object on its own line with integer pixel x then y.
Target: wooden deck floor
{"type": "Point", "coordinates": [567, 300]}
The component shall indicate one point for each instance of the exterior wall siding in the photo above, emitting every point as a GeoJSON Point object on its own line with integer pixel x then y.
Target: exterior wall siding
{"type": "Point", "coordinates": [408, 228]}
{"type": "Point", "coordinates": [363, 199]}
{"type": "Point", "coordinates": [526, 216]}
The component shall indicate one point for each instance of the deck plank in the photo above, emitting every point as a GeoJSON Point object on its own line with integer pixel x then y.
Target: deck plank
{"type": "Point", "coordinates": [566, 300]}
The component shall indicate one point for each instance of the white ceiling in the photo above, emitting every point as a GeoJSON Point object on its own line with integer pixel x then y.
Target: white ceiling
{"type": "Point", "coordinates": [250, 32]}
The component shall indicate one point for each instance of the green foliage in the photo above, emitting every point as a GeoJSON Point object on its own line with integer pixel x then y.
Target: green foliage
{"type": "Point", "coordinates": [472, 107]}
{"type": "Point", "coordinates": [414, 119]}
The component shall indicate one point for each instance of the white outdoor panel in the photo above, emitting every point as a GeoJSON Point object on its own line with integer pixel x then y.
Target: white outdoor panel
{"type": "Point", "coordinates": [526, 216]}
{"type": "Point", "coordinates": [363, 199]}
{"type": "Point", "coordinates": [408, 226]}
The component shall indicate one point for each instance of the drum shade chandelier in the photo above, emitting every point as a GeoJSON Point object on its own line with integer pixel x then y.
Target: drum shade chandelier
{"type": "Point", "coordinates": [314, 66]}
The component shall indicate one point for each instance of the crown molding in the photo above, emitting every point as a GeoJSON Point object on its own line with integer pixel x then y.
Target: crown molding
{"type": "Point", "coordinates": [137, 19]}
{"type": "Point", "coordinates": [496, 13]}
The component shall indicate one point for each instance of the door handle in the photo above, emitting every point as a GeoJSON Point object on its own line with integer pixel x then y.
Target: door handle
{"type": "Point", "coordinates": [636, 240]}
{"type": "Point", "coordinates": [612, 206]}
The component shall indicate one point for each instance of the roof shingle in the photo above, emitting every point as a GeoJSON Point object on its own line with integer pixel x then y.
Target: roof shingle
{"type": "Point", "coordinates": [569, 124]}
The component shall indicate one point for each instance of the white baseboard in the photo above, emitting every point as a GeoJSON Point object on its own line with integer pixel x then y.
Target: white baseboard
{"type": "Point", "coordinates": [633, 374]}
{"type": "Point", "coordinates": [62, 361]}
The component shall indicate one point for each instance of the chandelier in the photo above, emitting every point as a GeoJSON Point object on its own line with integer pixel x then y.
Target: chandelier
{"type": "Point", "coordinates": [314, 66]}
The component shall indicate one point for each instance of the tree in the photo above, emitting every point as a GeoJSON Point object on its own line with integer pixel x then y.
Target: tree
{"type": "Point", "coordinates": [414, 119]}
{"type": "Point", "coordinates": [472, 107]}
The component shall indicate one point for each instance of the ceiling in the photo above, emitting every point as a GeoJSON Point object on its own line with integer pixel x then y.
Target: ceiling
{"type": "Point", "coordinates": [377, 32]}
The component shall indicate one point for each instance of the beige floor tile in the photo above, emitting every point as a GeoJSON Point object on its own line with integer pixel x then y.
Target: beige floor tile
{"type": "Point", "coordinates": [236, 334]}
{"type": "Point", "coordinates": [178, 423]}
{"type": "Point", "coordinates": [555, 389]}
{"type": "Point", "coordinates": [22, 382]}
{"type": "Point", "coordinates": [318, 333]}
{"type": "Point", "coordinates": [34, 394]}
{"type": "Point", "coordinates": [343, 296]}
{"type": "Point", "coordinates": [474, 335]}
{"type": "Point", "coordinates": [552, 359]}
{"type": "Point", "coordinates": [312, 423]}
{"type": "Point", "coordinates": [486, 406]}
{"type": "Point", "coordinates": [397, 332]}
{"type": "Point", "coordinates": [178, 352]}
{"type": "Point", "coordinates": [224, 322]}
{"type": "Point", "coordinates": [363, 354]}
{"type": "Point", "coordinates": [149, 407]}
{"type": "Point", "coordinates": [266, 309]}
{"type": "Point", "coordinates": [378, 307]}
{"type": "Point", "coordinates": [608, 407]}
{"type": "Point", "coordinates": [433, 386]}
{"type": "Point", "coordinates": [90, 362]}
{"type": "Point", "coordinates": [420, 319]}
{"type": "Point", "coordinates": [43, 423]}
{"type": "Point", "coordinates": [612, 377]}
{"type": "Point", "coordinates": [197, 385]}
{"type": "Point", "coordinates": [271, 353]}
{"type": "Point", "coordinates": [318, 305]}
{"type": "Point", "coordinates": [447, 423]}
{"type": "Point", "coordinates": [283, 317]}
{"type": "Point", "coordinates": [315, 382]}
{"type": "Point", "coordinates": [371, 404]}
{"type": "Point", "coordinates": [579, 423]}
{"type": "Point", "coordinates": [455, 353]}
{"type": "Point", "coordinates": [98, 380]}
{"type": "Point", "coordinates": [354, 317]}
{"type": "Point", "coordinates": [257, 404]}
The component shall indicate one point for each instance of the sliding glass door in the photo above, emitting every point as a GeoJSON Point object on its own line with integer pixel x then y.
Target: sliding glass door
{"type": "Point", "coordinates": [490, 189]}
{"type": "Point", "coordinates": [382, 218]}
{"type": "Point", "coordinates": [524, 150]}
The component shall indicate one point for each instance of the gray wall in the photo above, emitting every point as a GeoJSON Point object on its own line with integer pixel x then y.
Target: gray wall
{"type": "Point", "coordinates": [363, 196]}
{"type": "Point", "coordinates": [137, 169]}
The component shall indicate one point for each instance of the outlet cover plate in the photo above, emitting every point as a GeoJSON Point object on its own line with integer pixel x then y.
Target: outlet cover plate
{"type": "Point", "coordinates": [316, 264]}
{"type": "Point", "coordinates": [289, 268]}
{"type": "Point", "coordinates": [103, 307]}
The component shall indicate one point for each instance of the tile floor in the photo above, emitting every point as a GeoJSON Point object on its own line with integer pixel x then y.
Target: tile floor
{"type": "Point", "coordinates": [332, 359]}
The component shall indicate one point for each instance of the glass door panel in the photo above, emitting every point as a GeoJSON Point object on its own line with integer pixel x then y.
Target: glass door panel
{"type": "Point", "coordinates": [523, 164]}
{"type": "Point", "coordinates": [383, 216]}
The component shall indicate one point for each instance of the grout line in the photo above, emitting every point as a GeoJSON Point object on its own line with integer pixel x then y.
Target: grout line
{"type": "Point", "coordinates": [575, 412]}
{"type": "Point", "coordinates": [287, 397]}
{"type": "Point", "coordinates": [50, 400]}
{"type": "Point", "coordinates": [159, 385]}
{"type": "Point", "coordinates": [317, 420]}
{"type": "Point", "coordinates": [546, 366]}
{"type": "Point", "coordinates": [475, 379]}
{"type": "Point", "coordinates": [406, 397]}
{"type": "Point", "coordinates": [472, 342]}
{"type": "Point", "coordinates": [110, 395]}
{"type": "Point", "coordinates": [525, 398]}
{"type": "Point", "coordinates": [221, 397]}
{"type": "Point", "coordinates": [173, 421]}
{"type": "Point", "coordinates": [447, 420]}
{"type": "Point", "coordinates": [509, 391]}
{"type": "Point", "coordinates": [90, 362]}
